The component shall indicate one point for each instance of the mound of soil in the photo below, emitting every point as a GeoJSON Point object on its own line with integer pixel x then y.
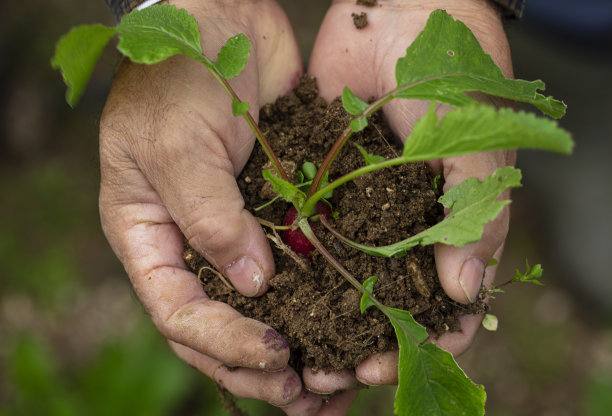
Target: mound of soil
{"type": "Point", "coordinates": [317, 310]}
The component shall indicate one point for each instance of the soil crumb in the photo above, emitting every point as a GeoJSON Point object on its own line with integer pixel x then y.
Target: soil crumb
{"type": "Point", "coordinates": [360, 20]}
{"type": "Point", "coordinates": [317, 310]}
{"type": "Point", "coordinates": [367, 3]}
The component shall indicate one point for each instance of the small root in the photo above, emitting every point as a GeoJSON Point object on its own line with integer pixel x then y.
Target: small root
{"type": "Point", "coordinates": [216, 273]}
{"type": "Point", "coordinates": [276, 239]}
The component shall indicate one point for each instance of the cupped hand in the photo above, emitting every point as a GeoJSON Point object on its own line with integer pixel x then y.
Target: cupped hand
{"type": "Point", "coordinates": [364, 60]}
{"type": "Point", "coordinates": [170, 149]}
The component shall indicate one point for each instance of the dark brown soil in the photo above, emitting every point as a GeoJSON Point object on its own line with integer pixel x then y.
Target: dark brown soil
{"type": "Point", "coordinates": [317, 311]}
{"type": "Point", "coordinates": [360, 20]}
{"type": "Point", "coordinates": [367, 3]}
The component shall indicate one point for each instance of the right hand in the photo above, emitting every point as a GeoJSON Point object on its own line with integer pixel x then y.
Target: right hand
{"type": "Point", "coordinates": [170, 149]}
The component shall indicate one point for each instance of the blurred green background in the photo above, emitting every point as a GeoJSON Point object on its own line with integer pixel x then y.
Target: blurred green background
{"type": "Point", "coordinates": [74, 339]}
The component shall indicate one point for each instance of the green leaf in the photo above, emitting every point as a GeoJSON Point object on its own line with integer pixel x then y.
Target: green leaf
{"type": "Point", "coordinates": [403, 319]}
{"type": "Point", "coordinates": [490, 322]}
{"type": "Point", "coordinates": [431, 382]}
{"type": "Point", "coordinates": [353, 104]}
{"type": "Point", "coordinates": [239, 108]}
{"type": "Point", "coordinates": [76, 54]}
{"type": "Point", "coordinates": [233, 56]}
{"type": "Point", "coordinates": [286, 190]}
{"type": "Point", "coordinates": [531, 275]}
{"type": "Point", "coordinates": [472, 204]}
{"type": "Point", "coordinates": [358, 124]}
{"type": "Point", "coordinates": [366, 300]}
{"type": "Point", "coordinates": [370, 159]}
{"type": "Point", "coordinates": [309, 169]}
{"type": "Point", "coordinates": [156, 33]}
{"type": "Point", "coordinates": [480, 128]}
{"type": "Point", "coordinates": [446, 60]}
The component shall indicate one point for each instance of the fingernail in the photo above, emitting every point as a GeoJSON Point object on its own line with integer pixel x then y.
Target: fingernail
{"type": "Point", "coordinates": [470, 277]}
{"type": "Point", "coordinates": [246, 275]}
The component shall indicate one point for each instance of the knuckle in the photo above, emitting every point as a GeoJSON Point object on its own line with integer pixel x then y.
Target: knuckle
{"type": "Point", "coordinates": [216, 225]}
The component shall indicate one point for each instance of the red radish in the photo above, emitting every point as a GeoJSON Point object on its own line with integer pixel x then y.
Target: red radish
{"type": "Point", "coordinates": [295, 238]}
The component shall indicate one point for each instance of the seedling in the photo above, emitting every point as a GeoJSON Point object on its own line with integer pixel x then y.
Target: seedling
{"type": "Point", "coordinates": [442, 64]}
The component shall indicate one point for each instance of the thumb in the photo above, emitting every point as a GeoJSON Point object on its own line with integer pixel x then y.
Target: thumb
{"type": "Point", "coordinates": [212, 218]}
{"type": "Point", "coordinates": [462, 269]}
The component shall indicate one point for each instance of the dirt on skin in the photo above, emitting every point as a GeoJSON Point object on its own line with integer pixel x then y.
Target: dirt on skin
{"type": "Point", "coordinates": [367, 3]}
{"type": "Point", "coordinates": [317, 310]}
{"type": "Point", "coordinates": [360, 20]}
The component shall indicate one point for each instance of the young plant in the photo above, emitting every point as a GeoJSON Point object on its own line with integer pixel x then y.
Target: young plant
{"type": "Point", "coordinates": [442, 64]}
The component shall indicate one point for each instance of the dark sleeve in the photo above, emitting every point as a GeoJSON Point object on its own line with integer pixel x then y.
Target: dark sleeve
{"type": "Point", "coordinates": [121, 7]}
{"type": "Point", "coordinates": [511, 8]}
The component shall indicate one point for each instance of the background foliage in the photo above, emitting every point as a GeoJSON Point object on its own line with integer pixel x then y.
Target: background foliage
{"type": "Point", "coordinates": [74, 340]}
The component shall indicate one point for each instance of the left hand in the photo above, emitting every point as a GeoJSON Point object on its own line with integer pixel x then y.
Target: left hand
{"type": "Point", "coordinates": [364, 60]}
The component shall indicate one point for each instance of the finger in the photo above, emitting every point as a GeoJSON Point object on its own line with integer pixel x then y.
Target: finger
{"type": "Point", "coordinates": [382, 368]}
{"type": "Point", "coordinates": [150, 247]}
{"type": "Point", "coordinates": [187, 162]}
{"type": "Point", "coordinates": [330, 382]}
{"type": "Point", "coordinates": [278, 388]}
{"type": "Point", "coordinates": [339, 404]}
{"type": "Point", "coordinates": [458, 342]}
{"type": "Point", "coordinates": [461, 269]}
{"type": "Point", "coordinates": [307, 404]}
{"type": "Point", "coordinates": [379, 369]}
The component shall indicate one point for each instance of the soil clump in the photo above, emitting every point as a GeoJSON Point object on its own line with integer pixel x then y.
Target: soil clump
{"type": "Point", "coordinates": [317, 310]}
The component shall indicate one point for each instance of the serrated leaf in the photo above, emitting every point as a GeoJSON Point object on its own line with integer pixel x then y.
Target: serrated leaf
{"type": "Point", "coordinates": [472, 204]}
{"type": "Point", "coordinates": [480, 128]}
{"type": "Point", "coordinates": [446, 60]}
{"type": "Point", "coordinates": [366, 300]}
{"type": "Point", "coordinates": [353, 104]}
{"type": "Point", "coordinates": [233, 56]}
{"type": "Point", "coordinates": [156, 33]}
{"type": "Point", "coordinates": [369, 158]}
{"type": "Point", "coordinates": [239, 107]}
{"type": "Point", "coordinates": [358, 124]}
{"type": "Point", "coordinates": [286, 190]}
{"type": "Point", "coordinates": [76, 54]}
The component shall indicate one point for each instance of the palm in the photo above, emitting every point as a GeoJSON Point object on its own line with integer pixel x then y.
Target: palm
{"type": "Point", "coordinates": [364, 60]}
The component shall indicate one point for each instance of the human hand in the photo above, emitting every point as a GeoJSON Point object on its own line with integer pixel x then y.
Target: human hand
{"type": "Point", "coordinates": [364, 60]}
{"type": "Point", "coordinates": [170, 149]}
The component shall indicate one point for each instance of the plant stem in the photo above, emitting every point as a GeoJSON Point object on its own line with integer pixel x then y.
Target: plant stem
{"type": "Point", "coordinates": [310, 235]}
{"type": "Point", "coordinates": [342, 139]}
{"type": "Point", "coordinates": [314, 191]}
{"type": "Point", "coordinates": [318, 245]}
{"type": "Point", "coordinates": [310, 203]}
{"type": "Point", "coordinates": [267, 148]}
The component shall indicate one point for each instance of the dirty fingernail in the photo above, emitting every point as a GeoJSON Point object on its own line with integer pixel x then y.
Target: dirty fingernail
{"type": "Point", "coordinates": [274, 341]}
{"type": "Point", "coordinates": [246, 275]}
{"type": "Point", "coordinates": [470, 278]}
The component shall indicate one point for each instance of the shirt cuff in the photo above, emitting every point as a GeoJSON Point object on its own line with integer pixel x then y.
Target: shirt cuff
{"type": "Point", "coordinates": [512, 8]}
{"type": "Point", "coordinates": [121, 7]}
